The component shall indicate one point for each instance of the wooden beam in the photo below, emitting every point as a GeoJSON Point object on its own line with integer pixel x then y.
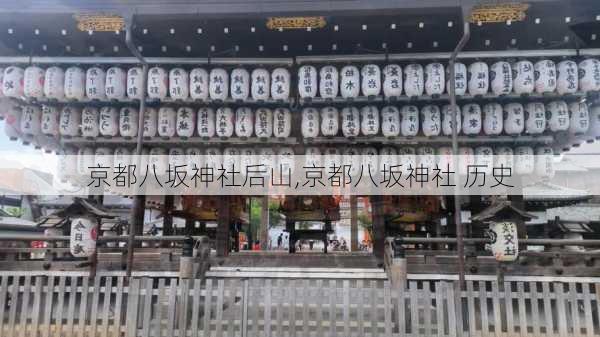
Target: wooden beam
{"type": "Point", "coordinates": [378, 226]}
{"type": "Point", "coordinates": [353, 223]}
{"type": "Point", "coordinates": [264, 223]}
{"type": "Point", "coordinates": [223, 223]}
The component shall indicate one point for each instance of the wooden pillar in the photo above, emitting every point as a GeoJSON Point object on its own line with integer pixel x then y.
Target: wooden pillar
{"type": "Point", "coordinates": [518, 202]}
{"type": "Point", "coordinates": [264, 223]}
{"type": "Point", "coordinates": [353, 224]}
{"type": "Point", "coordinates": [378, 226]}
{"type": "Point", "coordinates": [224, 221]}
{"type": "Point", "coordinates": [167, 216]}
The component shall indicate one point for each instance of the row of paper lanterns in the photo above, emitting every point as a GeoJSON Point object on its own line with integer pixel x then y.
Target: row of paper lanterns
{"type": "Point", "coordinates": [499, 78]}
{"type": "Point", "coordinates": [490, 119]}
{"type": "Point", "coordinates": [166, 122]}
{"type": "Point", "coordinates": [116, 83]}
{"type": "Point", "coordinates": [523, 159]}
{"type": "Point", "coordinates": [473, 119]}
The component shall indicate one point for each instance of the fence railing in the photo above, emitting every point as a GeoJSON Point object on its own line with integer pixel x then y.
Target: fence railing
{"type": "Point", "coordinates": [73, 304]}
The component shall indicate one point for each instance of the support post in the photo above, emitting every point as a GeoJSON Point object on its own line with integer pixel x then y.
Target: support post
{"type": "Point", "coordinates": [224, 221]}
{"type": "Point", "coordinates": [519, 202]}
{"type": "Point", "coordinates": [264, 223]}
{"type": "Point", "coordinates": [168, 217]}
{"type": "Point", "coordinates": [136, 225]}
{"type": "Point", "coordinates": [452, 92]}
{"type": "Point", "coordinates": [353, 223]}
{"type": "Point", "coordinates": [378, 226]}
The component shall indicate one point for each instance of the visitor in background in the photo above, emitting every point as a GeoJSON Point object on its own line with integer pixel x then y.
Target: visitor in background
{"type": "Point", "coordinates": [279, 241]}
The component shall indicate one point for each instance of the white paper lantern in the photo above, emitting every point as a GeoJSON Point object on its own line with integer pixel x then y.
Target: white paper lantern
{"type": "Point", "coordinates": [54, 83]}
{"type": "Point", "coordinates": [392, 80]}
{"type": "Point", "coordinates": [409, 126]}
{"type": "Point", "coordinates": [426, 157]}
{"type": "Point", "coordinates": [558, 113]}
{"type": "Point", "coordinates": [116, 83]}
{"type": "Point", "coordinates": [177, 157]}
{"type": "Point", "coordinates": [310, 123]}
{"type": "Point", "coordinates": [121, 157]}
{"type": "Point", "coordinates": [523, 77]}
{"type": "Point", "coordinates": [109, 121]}
{"type": "Point", "coordinates": [199, 84]}
{"type": "Point", "coordinates": [445, 158]}
{"type": "Point", "coordinates": [158, 160]}
{"type": "Point", "coordinates": [285, 160]}
{"type": "Point", "coordinates": [128, 122]}
{"type": "Point", "coordinates": [471, 121]}
{"type": "Point", "coordinates": [240, 84]}
{"type": "Point", "coordinates": [351, 158]}
{"type": "Point", "coordinates": [349, 82]}
{"type": "Point", "coordinates": [484, 156]}
{"type": "Point", "coordinates": [329, 82]}
{"type": "Point", "coordinates": [179, 84]}
{"type": "Point", "coordinates": [545, 76]}
{"type": "Point", "coordinates": [580, 118]}
{"type": "Point", "coordinates": [460, 79]}
{"type": "Point", "coordinates": [434, 79]}
{"type": "Point", "coordinates": [478, 76]}
{"type": "Point", "coordinates": [329, 121]}
{"type": "Point", "coordinates": [12, 121]}
{"type": "Point", "coordinates": [448, 119]}
{"type": "Point", "coordinates": [407, 157]}
{"type": "Point", "coordinates": [282, 120]}
{"type": "Point", "coordinates": [70, 119]}
{"type": "Point", "coordinates": [492, 119]}
{"type": "Point", "coordinates": [414, 80]}
{"type": "Point", "coordinates": [589, 75]}
{"type": "Point", "coordinates": [150, 122]}
{"type": "Point", "coordinates": [90, 122]}
{"type": "Point", "coordinates": [74, 83]}
{"type": "Point", "coordinates": [505, 241]}
{"type": "Point", "coordinates": [224, 119]}
{"type": "Point", "coordinates": [535, 122]}
{"type": "Point", "coordinates": [524, 160]}
{"type": "Point", "coordinates": [466, 157]}
{"type": "Point", "coordinates": [266, 156]}
{"type": "Point", "coordinates": [369, 123]}
{"type": "Point", "coordinates": [186, 122]}
{"type": "Point", "coordinates": [86, 159]}
{"type": "Point", "coordinates": [307, 81]}
{"type": "Point", "coordinates": [231, 158]}
{"type": "Point", "coordinates": [390, 121]}
{"type": "Point", "coordinates": [95, 78]}
{"type": "Point", "coordinates": [312, 157]}
{"type": "Point", "coordinates": [244, 122]}
{"type": "Point", "coordinates": [331, 159]}
{"type": "Point", "coordinates": [514, 118]}
{"type": "Point", "coordinates": [504, 158]}
{"type": "Point", "coordinates": [261, 84]}
{"type": "Point", "coordinates": [167, 117]}
{"type": "Point", "coordinates": [388, 160]}
{"type": "Point", "coordinates": [567, 81]}
{"type": "Point", "coordinates": [218, 84]}
{"type": "Point", "coordinates": [134, 83]}
{"type": "Point", "coordinates": [370, 161]}
{"type": "Point", "coordinates": [31, 119]}
{"type": "Point", "coordinates": [67, 164]}
{"type": "Point", "coordinates": [371, 80]}
{"type": "Point", "coordinates": [594, 129]}
{"type": "Point", "coordinates": [158, 83]}
{"type": "Point", "coordinates": [280, 84]}
{"type": "Point", "coordinates": [33, 82]}
{"type": "Point", "coordinates": [84, 233]}
{"type": "Point", "coordinates": [194, 160]}
{"type": "Point", "coordinates": [501, 79]}
{"type": "Point", "coordinates": [206, 122]}
{"type": "Point", "coordinates": [544, 162]}
{"type": "Point", "coordinates": [50, 119]}
{"type": "Point", "coordinates": [263, 123]}
{"type": "Point", "coordinates": [431, 120]}
{"type": "Point", "coordinates": [213, 157]}
{"type": "Point", "coordinates": [350, 122]}
{"type": "Point", "coordinates": [103, 157]}
{"type": "Point", "coordinates": [12, 83]}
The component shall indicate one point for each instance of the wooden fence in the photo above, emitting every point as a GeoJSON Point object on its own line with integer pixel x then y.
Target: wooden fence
{"type": "Point", "coordinates": [73, 304]}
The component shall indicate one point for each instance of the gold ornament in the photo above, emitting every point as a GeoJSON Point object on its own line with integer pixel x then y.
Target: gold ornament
{"type": "Point", "coordinates": [296, 22]}
{"type": "Point", "coordinates": [498, 12]}
{"type": "Point", "coordinates": [99, 22]}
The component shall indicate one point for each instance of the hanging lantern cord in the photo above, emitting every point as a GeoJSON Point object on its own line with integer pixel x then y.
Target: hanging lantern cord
{"type": "Point", "coordinates": [139, 200]}
{"type": "Point", "coordinates": [460, 247]}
